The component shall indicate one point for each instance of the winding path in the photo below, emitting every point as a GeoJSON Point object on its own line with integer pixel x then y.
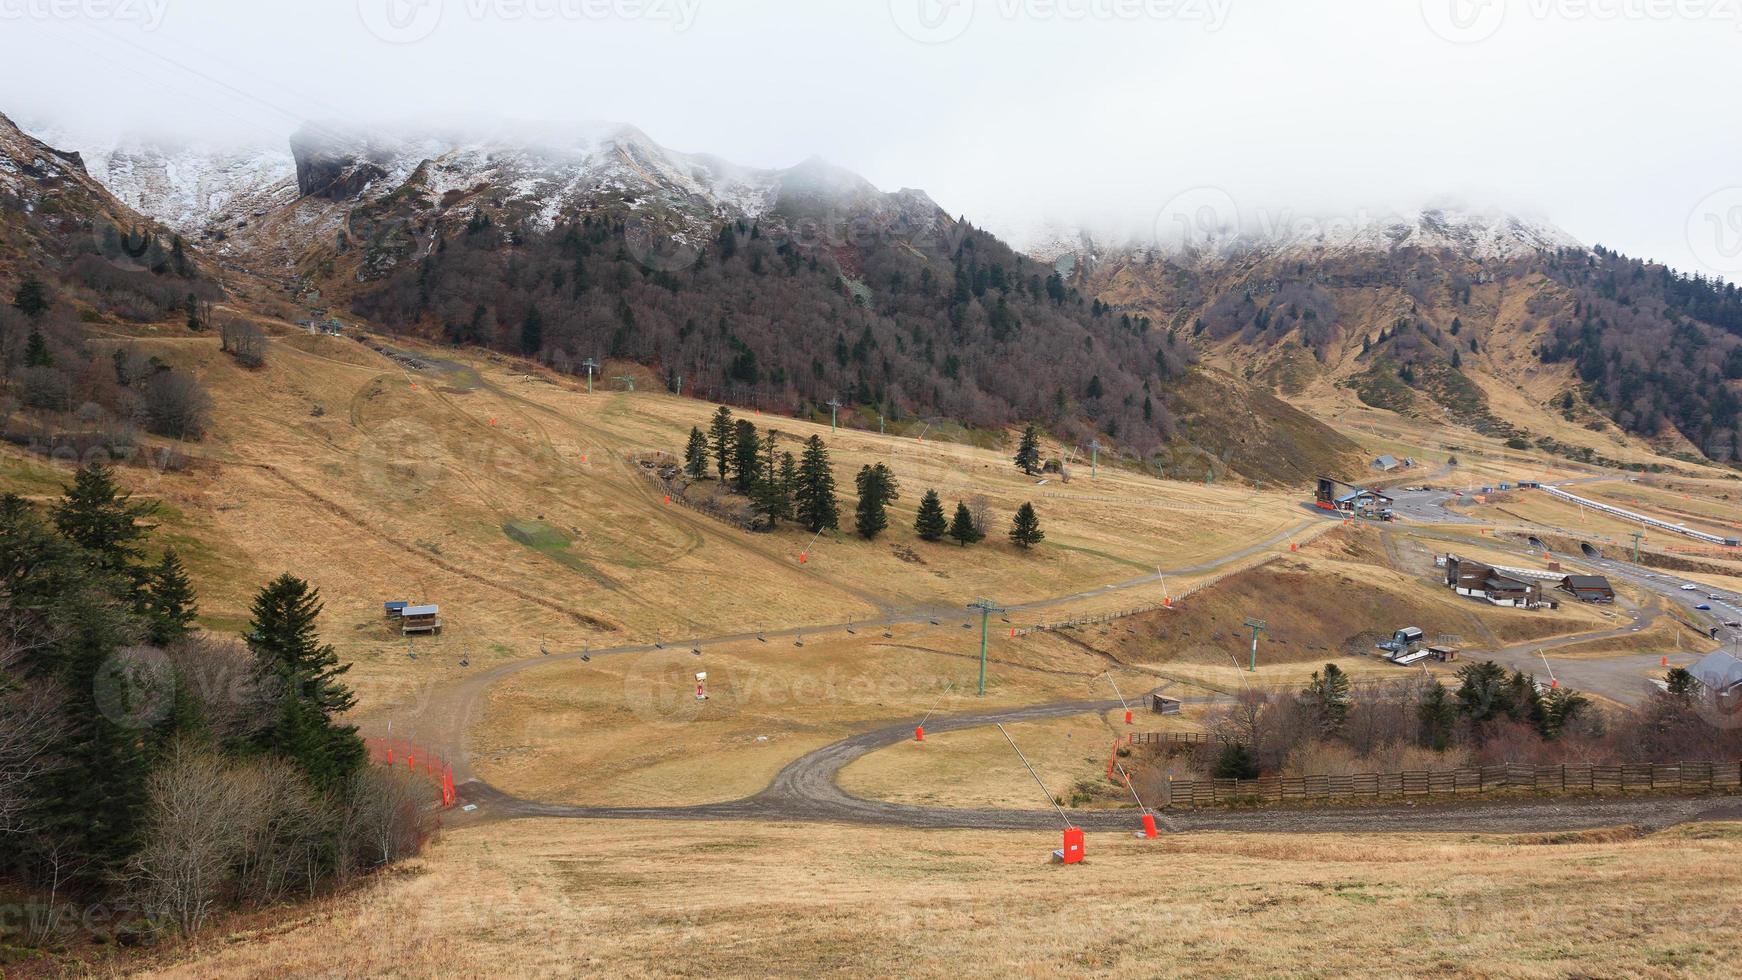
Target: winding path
{"type": "Point", "coordinates": [807, 789]}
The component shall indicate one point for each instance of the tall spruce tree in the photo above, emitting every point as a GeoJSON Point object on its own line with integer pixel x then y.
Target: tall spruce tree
{"type": "Point", "coordinates": [1028, 452]}
{"type": "Point", "coordinates": [68, 618]}
{"type": "Point", "coordinates": [962, 527]}
{"type": "Point", "coordinates": [877, 490]}
{"type": "Point", "coordinates": [36, 353]}
{"type": "Point", "coordinates": [1327, 695]}
{"type": "Point", "coordinates": [746, 455]}
{"type": "Point", "coordinates": [94, 514]}
{"type": "Point", "coordinates": [1025, 528]}
{"type": "Point", "coordinates": [815, 494]}
{"type": "Point", "coordinates": [299, 677]}
{"type": "Point", "coordinates": [695, 455]}
{"type": "Point", "coordinates": [532, 332]}
{"type": "Point", "coordinates": [772, 494]}
{"type": "Point", "coordinates": [720, 429]}
{"type": "Point", "coordinates": [930, 523]}
{"type": "Point", "coordinates": [1436, 714]}
{"type": "Point", "coordinates": [169, 600]}
{"type": "Point", "coordinates": [31, 299]}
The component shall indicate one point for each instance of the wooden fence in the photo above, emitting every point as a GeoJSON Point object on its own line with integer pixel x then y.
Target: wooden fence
{"type": "Point", "coordinates": [1673, 776]}
{"type": "Point", "coordinates": [1166, 738]}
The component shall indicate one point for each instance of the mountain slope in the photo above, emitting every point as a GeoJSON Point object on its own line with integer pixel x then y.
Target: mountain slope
{"type": "Point", "coordinates": [1468, 317]}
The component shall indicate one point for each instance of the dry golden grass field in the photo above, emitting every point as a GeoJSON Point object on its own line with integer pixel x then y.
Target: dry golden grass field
{"type": "Point", "coordinates": [395, 477]}
{"type": "Point", "coordinates": [542, 898]}
{"type": "Point", "coordinates": [379, 481]}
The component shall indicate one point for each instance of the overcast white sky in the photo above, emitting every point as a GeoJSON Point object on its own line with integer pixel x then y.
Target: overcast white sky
{"type": "Point", "coordinates": [1616, 119]}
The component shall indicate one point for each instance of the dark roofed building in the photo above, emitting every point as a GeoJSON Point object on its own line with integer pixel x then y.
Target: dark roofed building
{"type": "Point", "coordinates": [1479, 581]}
{"type": "Point", "coordinates": [1588, 588]}
{"type": "Point", "coordinates": [1719, 673]}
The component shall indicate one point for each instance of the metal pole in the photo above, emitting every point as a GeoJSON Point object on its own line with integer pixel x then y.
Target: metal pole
{"type": "Point", "coordinates": [986, 610]}
{"type": "Point", "coordinates": [1127, 776]}
{"type": "Point", "coordinates": [1037, 782]}
{"type": "Point", "coordinates": [1256, 626]}
{"type": "Point", "coordinates": [1116, 693]}
{"type": "Point", "coordinates": [834, 407]}
{"type": "Point", "coordinates": [985, 615]}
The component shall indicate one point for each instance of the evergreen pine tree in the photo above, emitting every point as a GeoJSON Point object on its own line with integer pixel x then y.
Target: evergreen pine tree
{"type": "Point", "coordinates": [1025, 529]}
{"type": "Point", "coordinates": [789, 480]}
{"type": "Point", "coordinates": [772, 494]}
{"type": "Point", "coordinates": [1236, 762]}
{"type": "Point", "coordinates": [170, 600]}
{"type": "Point", "coordinates": [532, 332]}
{"type": "Point", "coordinates": [962, 528]}
{"type": "Point", "coordinates": [746, 455]}
{"type": "Point", "coordinates": [36, 350]}
{"type": "Point", "coordinates": [300, 678]}
{"type": "Point", "coordinates": [31, 299]}
{"type": "Point", "coordinates": [1028, 453]}
{"type": "Point", "coordinates": [1436, 714]}
{"type": "Point", "coordinates": [815, 495]}
{"type": "Point", "coordinates": [1327, 695]}
{"type": "Point", "coordinates": [930, 524]}
{"type": "Point", "coordinates": [1681, 682]}
{"type": "Point", "coordinates": [95, 515]}
{"type": "Point", "coordinates": [720, 430]}
{"type": "Point", "coordinates": [66, 622]}
{"type": "Point", "coordinates": [877, 489]}
{"type": "Point", "coordinates": [695, 455]}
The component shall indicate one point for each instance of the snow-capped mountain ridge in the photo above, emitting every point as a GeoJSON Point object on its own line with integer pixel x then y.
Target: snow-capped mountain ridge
{"type": "Point", "coordinates": [1209, 229]}
{"type": "Point", "coordinates": [220, 195]}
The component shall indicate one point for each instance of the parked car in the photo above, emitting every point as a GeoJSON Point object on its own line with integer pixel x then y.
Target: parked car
{"type": "Point", "coordinates": [1703, 607]}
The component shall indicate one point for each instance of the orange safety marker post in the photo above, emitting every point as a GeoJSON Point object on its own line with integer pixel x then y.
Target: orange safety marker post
{"type": "Point", "coordinates": [1127, 716]}
{"type": "Point", "coordinates": [1149, 830]}
{"type": "Point", "coordinates": [668, 498]}
{"type": "Point", "coordinates": [1072, 852]}
{"type": "Point", "coordinates": [1293, 547]}
{"type": "Point", "coordinates": [1665, 661]}
{"type": "Point", "coordinates": [919, 733]}
{"type": "Point", "coordinates": [801, 558]}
